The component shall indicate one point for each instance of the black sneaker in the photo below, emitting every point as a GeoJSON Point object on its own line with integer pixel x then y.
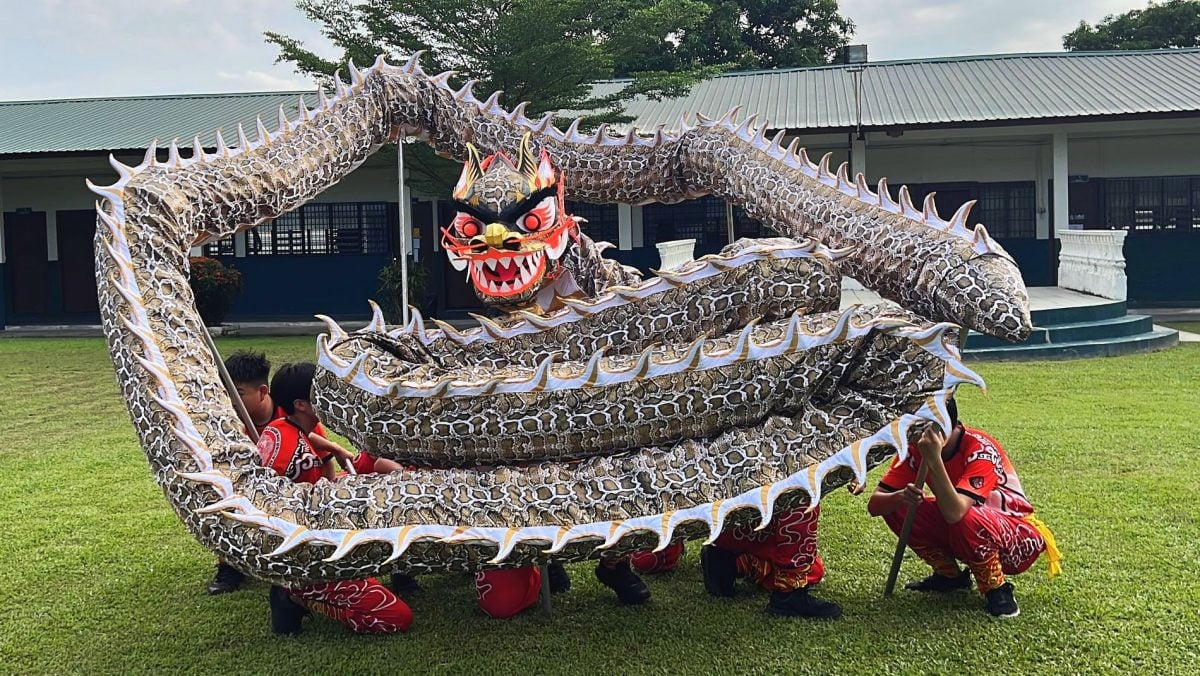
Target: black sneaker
{"type": "Point", "coordinates": [630, 588]}
{"type": "Point", "coordinates": [226, 580]}
{"type": "Point", "coordinates": [1001, 603]}
{"type": "Point", "coordinates": [941, 583]}
{"type": "Point", "coordinates": [403, 584]}
{"type": "Point", "coordinates": [720, 570]}
{"type": "Point", "coordinates": [559, 580]}
{"type": "Point", "coordinates": [286, 614]}
{"type": "Point", "coordinates": [800, 603]}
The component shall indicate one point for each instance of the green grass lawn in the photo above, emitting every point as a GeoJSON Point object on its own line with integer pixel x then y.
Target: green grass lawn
{"type": "Point", "coordinates": [1190, 327]}
{"type": "Point", "coordinates": [99, 575]}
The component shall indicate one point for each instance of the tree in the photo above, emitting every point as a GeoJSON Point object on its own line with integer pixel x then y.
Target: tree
{"type": "Point", "coordinates": [1171, 24]}
{"type": "Point", "coordinates": [753, 34]}
{"type": "Point", "coordinates": [548, 52]}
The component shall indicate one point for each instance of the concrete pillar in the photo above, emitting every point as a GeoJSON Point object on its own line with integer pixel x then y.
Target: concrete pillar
{"type": "Point", "coordinates": [624, 227]}
{"type": "Point", "coordinates": [858, 156]}
{"type": "Point", "coordinates": [3, 298]}
{"type": "Point", "coordinates": [51, 236]}
{"type": "Point", "coordinates": [1061, 176]}
{"type": "Point", "coordinates": [629, 227]}
{"type": "Point", "coordinates": [239, 244]}
{"type": "Point", "coordinates": [437, 227]}
{"type": "Point", "coordinates": [1042, 169]}
{"type": "Point", "coordinates": [3, 273]}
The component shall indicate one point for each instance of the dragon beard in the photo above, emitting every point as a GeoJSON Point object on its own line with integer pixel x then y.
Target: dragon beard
{"type": "Point", "coordinates": [643, 413]}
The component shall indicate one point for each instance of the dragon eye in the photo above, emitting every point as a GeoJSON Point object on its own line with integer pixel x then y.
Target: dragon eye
{"type": "Point", "coordinates": [467, 226]}
{"type": "Point", "coordinates": [544, 215]}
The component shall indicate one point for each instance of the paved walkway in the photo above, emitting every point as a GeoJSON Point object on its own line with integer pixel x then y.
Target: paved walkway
{"type": "Point", "coordinates": [1040, 298]}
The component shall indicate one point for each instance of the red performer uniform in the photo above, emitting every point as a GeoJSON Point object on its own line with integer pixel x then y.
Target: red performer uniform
{"type": "Point", "coordinates": [651, 562]}
{"type": "Point", "coordinates": [363, 605]}
{"type": "Point", "coordinates": [364, 463]}
{"type": "Point", "coordinates": [506, 592]}
{"type": "Point", "coordinates": [781, 557]}
{"type": "Point", "coordinates": [998, 536]}
{"type": "Point", "coordinates": [319, 430]}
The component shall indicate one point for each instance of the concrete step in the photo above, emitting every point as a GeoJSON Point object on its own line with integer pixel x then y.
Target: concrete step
{"type": "Point", "coordinates": [1077, 349]}
{"type": "Point", "coordinates": [1078, 313]}
{"type": "Point", "coordinates": [1075, 331]}
{"type": "Point", "coordinates": [1129, 325]}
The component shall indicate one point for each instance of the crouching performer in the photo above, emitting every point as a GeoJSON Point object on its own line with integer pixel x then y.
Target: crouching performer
{"type": "Point", "coordinates": [365, 606]}
{"type": "Point", "coordinates": [781, 558]}
{"type": "Point", "coordinates": [978, 515]}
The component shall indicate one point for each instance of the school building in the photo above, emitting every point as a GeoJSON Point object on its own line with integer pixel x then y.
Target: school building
{"type": "Point", "coordinates": [1082, 164]}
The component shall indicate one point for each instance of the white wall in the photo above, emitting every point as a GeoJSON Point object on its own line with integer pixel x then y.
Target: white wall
{"type": "Point", "coordinates": [49, 194]}
{"type": "Point", "coordinates": [984, 162]}
{"type": "Point", "coordinates": [1167, 155]}
{"type": "Point", "coordinates": [368, 183]}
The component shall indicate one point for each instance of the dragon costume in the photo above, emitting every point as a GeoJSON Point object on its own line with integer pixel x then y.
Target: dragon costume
{"type": "Point", "coordinates": [600, 413]}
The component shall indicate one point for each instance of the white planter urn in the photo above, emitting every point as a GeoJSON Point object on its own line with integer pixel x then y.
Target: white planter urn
{"type": "Point", "coordinates": [675, 253]}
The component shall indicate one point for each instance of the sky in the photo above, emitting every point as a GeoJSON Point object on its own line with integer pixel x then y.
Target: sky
{"type": "Point", "coordinates": [95, 48]}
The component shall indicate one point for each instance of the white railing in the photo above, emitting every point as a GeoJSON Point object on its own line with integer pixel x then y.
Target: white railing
{"type": "Point", "coordinates": [1093, 261]}
{"type": "Point", "coordinates": [675, 253]}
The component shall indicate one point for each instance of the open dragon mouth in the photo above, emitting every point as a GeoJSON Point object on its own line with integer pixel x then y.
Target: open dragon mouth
{"type": "Point", "coordinates": [709, 396]}
{"type": "Point", "coordinates": [517, 269]}
{"type": "Point", "coordinates": [508, 274]}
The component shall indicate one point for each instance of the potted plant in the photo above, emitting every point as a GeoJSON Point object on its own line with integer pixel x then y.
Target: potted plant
{"type": "Point", "coordinates": [214, 286]}
{"type": "Point", "coordinates": [391, 295]}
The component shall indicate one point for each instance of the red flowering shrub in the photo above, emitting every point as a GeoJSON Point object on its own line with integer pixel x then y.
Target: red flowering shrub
{"type": "Point", "coordinates": [215, 286]}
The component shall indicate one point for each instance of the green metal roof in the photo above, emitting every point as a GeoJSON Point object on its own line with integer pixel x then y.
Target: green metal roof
{"type": "Point", "coordinates": [960, 90]}
{"type": "Point", "coordinates": [970, 90]}
{"type": "Point", "coordinates": [129, 123]}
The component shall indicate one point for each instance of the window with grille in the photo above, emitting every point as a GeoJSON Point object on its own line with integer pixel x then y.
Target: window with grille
{"type": "Point", "coordinates": [1007, 210]}
{"type": "Point", "coordinates": [602, 223]}
{"type": "Point", "coordinates": [746, 226]}
{"type": "Point", "coordinates": [220, 247]}
{"type": "Point", "coordinates": [1152, 203]}
{"type": "Point", "coordinates": [352, 228]}
{"type": "Point", "coordinates": [702, 220]}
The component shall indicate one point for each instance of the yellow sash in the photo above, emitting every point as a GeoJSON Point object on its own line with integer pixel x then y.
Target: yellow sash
{"type": "Point", "coordinates": [1053, 556]}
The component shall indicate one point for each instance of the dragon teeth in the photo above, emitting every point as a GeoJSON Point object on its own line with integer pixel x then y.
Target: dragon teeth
{"type": "Point", "coordinates": [491, 263]}
{"type": "Point", "coordinates": [556, 250]}
{"type": "Point", "coordinates": [457, 261]}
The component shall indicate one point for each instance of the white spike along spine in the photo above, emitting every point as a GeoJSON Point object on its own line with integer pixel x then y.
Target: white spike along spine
{"type": "Point", "coordinates": [265, 525]}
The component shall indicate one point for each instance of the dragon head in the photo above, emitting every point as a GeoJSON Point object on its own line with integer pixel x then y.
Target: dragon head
{"type": "Point", "coordinates": [511, 230]}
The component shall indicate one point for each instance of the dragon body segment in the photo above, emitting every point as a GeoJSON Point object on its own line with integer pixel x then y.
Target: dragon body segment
{"type": "Point", "coordinates": [616, 415]}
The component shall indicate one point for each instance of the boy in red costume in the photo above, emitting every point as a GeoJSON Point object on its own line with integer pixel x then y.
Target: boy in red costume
{"type": "Point", "coordinates": [978, 514]}
{"type": "Point", "coordinates": [781, 558]}
{"type": "Point", "coordinates": [249, 372]}
{"type": "Point", "coordinates": [363, 605]}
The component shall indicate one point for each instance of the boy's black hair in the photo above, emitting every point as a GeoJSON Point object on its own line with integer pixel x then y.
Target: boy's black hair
{"type": "Point", "coordinates": [248, 368]}
{"type": "Point", "coordinates": [952, 409]}
{"type": "Point", "coordinates": [292, 382]}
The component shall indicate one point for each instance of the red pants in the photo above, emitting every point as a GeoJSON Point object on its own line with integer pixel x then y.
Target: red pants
{"type": "Point", "coordinates": [781, 557]}
{"type": "Point", "coordinates": [365, 606]}
{"type": "Point", "coordinates": [663, 561]}
{"type": "Point", "coordinates": [506, 592]}
{"type": "Point", "coordinates": [364, 463]}
{"type": "Point", "coordinates": [991, 543]}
